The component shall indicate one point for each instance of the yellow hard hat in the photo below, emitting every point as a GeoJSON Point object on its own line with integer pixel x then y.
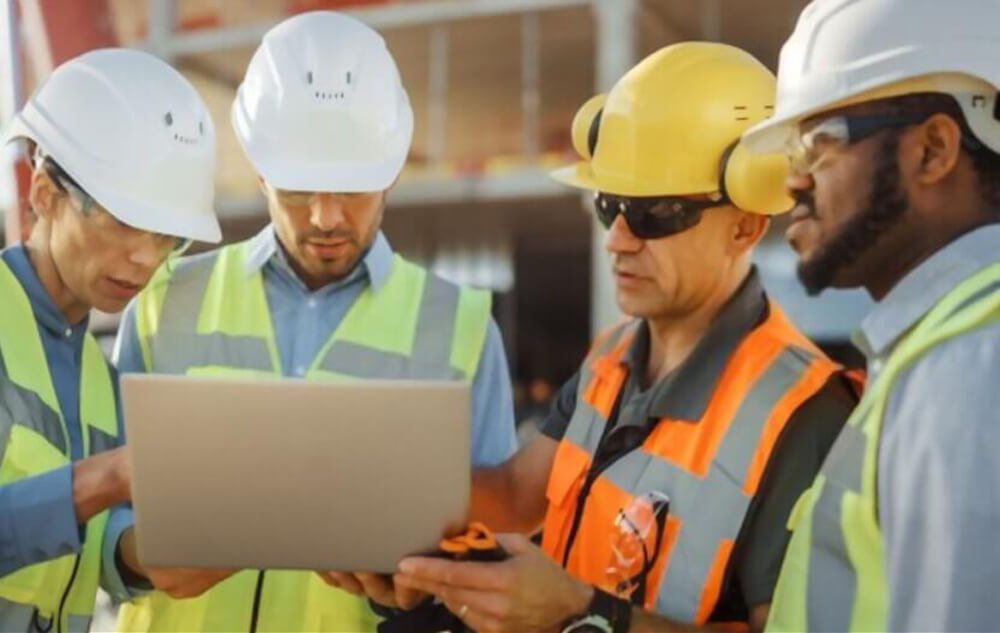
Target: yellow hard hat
{"type": "Point", "coordinates": [672, 125]}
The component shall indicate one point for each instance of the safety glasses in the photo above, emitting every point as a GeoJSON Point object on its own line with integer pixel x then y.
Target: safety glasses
{"type": "Point", "coordinates": [840, 131]}
{"type": "Point", "coordinates": [651, 218]}
{"type": "Point", "coordinates": [90, 208]}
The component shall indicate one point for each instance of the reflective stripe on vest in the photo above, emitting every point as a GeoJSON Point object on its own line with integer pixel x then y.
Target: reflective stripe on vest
{"type": "Point", "coordinates": [34, 440]}
{"type": "Point", "coordinates": [417, 326]}
{"type": "Point", "coordinates": [833, 577]}
{"type": "Point", "coordinates": [710, 468]}
{"type": "Point", "coordinates": [210, 317]}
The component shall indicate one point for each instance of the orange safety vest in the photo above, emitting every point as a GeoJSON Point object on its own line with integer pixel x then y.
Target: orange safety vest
{"type": "Point", "coordinates": [709, 468]}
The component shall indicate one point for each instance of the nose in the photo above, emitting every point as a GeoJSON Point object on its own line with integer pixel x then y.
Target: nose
{"type": "Point", "coordinates": [326, 212]}
{"type": "Point", "coordinates": [799, 180]}
{"type": "Point", "coordinates": [621, 239]}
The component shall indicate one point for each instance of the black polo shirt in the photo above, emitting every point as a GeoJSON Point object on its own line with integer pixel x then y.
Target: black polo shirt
{"type": "Point", "coordinates": [684, 394]}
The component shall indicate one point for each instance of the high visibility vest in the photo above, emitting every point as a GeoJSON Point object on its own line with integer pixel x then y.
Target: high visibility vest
{"type": "Point", "coordinates": [210, 318]}
{"type": "Point", "coordinates": [833, 576]}
{"type": "Point", "coordinates": [710, 468]}
{"type": "Point", "coordinates": [34, 440]}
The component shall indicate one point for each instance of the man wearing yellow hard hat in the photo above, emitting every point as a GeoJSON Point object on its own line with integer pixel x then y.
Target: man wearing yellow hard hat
{"type": "Point", "coordinates": [896, 141]}
{"type": "Point", "coordinates": [669, 464]}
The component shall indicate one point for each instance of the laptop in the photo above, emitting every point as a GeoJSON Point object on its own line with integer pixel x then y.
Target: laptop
{"type": "Point", "coordinates": [290, 474]}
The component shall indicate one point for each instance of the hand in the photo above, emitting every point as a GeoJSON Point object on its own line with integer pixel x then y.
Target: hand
{"type": "Point", "coordinates": [101, 481]}
{"type": "Point", "coordinates": [185, 583]}
{"type": "Point", "coordinates": [378, 587]}
{"type": "Point", "coordinates": [527, 592]}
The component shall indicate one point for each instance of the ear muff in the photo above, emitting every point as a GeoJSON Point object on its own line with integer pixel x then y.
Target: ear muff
{"type": "Point", "coordinates": [586, 126]}
{"type": "Point", "coordinates": [755, 182]}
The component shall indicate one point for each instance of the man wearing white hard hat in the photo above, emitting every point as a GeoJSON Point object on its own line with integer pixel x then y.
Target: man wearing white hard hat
{"type": "Point", "coordinates": [123, 158]}
{"type": "Point", "coordinates": [889, 109]}
{"type": "Point", "coordinates": [326, 123]}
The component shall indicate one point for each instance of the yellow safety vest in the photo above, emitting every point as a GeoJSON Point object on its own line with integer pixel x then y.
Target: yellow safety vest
{"type": "Point", "coordinates": [210, 318]}
{"type": "Point", "coordinates": [833, 577]}
{"type": "Point", "coordinates": [34, 440]}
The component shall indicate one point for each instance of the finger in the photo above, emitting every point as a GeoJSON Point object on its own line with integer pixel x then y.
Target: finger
{"type": "Point", "coordinates": [348, 583]}
{"type": "Point", "coordinates": [473, 618]}
{"type": "Point", "coordinates": [378, 588]}
{"type": "Point", "coordinates": [331, 578]}
{"type": "Point", "coordinates": [408, 598]}
{"type": "Point", "coordinates": [490, 604]}
{"type": "Point", "coordinates": [482, 576]}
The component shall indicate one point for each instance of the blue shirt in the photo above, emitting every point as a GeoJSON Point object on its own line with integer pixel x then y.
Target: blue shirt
{"type": "Point", "coordinates": [304, 320]}
{"type": "Point", "coordinates": [37, 517]}
{"type": "Point", "coordinates": [938, 472]}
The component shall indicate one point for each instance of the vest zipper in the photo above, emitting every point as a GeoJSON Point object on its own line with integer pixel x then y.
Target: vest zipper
{"type": "Point", "coordinates": [65, 596]}
{"type": "Point", "coordinates": [255, 614]}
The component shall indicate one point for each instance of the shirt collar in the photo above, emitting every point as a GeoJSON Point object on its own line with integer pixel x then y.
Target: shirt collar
{"type": "Point", "coordinates": [924, 287]}
{"type": "Point", "coordinates": [45, 310]}
{"type": "Point", "coordinates": [376, 263]}
{"type": "Point", "coordinates": [686, 392]}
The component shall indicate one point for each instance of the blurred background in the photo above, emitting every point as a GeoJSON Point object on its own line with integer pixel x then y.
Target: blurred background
{"type": "Point", "coordinates": [494, 85]}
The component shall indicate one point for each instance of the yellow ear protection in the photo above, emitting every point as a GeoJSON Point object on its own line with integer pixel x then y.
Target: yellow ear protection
{"type": "Point", "coordinates": [755, 182]}
{"type": "Point", "coordinates": [587, 125]}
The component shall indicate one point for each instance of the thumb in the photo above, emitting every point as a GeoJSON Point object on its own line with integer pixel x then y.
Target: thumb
{"type": "Point", "coordinates": [515, 544]}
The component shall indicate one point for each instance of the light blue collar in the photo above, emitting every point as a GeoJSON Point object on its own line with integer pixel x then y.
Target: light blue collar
{"type": "Point", "coordinates": [924, 287]}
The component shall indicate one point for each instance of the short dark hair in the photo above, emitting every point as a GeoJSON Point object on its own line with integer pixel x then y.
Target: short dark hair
{"type": "Point", "coordinates": [985, 162]}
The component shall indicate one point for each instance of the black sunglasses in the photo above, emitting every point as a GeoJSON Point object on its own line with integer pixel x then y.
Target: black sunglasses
{"type": "Point", "coordinates": [651, 218]}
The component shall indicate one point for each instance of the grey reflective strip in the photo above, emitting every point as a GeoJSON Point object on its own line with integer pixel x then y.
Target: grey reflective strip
{"type": "Point", "coordinates": [586, 426]}
{"type": "Point", "coordinates": [24, 408]}
{"type": "Point", "coordinates": [359, 361]}
{"type": "Point", "coordinates": [430, 358]}
{"type": "Point", "coordinates": [436, 322]}
{"type": "Point", "coordinates": [740, 443]}
{"type": "Point", "coordinates": [100, 441]}
{"type": "Point", "coordinates": [832, 583]}
{"type": "Point", "coordinates": [177, 347]}
{"type": "Point", "coordinates": [844, 463]}
{"type": "Point", "coordinates": [77, 623]}
{"type": "Point", "coordinates": [711, 509]}
{"type": "Point", "coordinates": [177, 352]}
{"type": "Point", "coordinates": [831, 586]}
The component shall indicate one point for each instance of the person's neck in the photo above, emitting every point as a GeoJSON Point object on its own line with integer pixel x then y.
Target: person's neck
{"type": "Point", "coordinates": [673, 337]}
{"type": "Point", "coordinates": [71, 307]}
{"type": "Point", "coordinates": [910, 248]}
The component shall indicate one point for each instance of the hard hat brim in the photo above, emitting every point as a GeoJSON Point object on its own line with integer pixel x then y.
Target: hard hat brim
{"type": "Point", "coordinates": [199, 225]}
{"type": "Point", "coordinates": [579, 176]}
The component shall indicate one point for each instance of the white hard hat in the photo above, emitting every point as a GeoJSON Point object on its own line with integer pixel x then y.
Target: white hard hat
{"type": "Point", "coordinates": [322, 107]}
{"type": "Point", "coordinates": [134, 134]}
{"type": "Point", "coordinates": [845, 51]}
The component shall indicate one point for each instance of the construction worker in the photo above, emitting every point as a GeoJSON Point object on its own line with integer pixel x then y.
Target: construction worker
{"type": "Point", "coordinates": [326, 123]}
{"type": "Point", "coordinates": [123, 157]}
{"type": "Point", "coordinates": [669, 464]}
{"type": "Point", "coordinates": [896, 146]}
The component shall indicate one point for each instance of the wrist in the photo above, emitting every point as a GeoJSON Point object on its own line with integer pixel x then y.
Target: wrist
{"type": "Point", "coordinates": [578, 600]}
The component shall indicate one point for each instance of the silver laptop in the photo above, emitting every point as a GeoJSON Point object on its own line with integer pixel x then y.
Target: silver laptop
{"type": "Point", "coordinates": [289, 474]}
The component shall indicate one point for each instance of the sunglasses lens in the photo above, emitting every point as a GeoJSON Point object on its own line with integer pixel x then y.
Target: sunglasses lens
{"type": "Point", "coordinates": [606, 209]}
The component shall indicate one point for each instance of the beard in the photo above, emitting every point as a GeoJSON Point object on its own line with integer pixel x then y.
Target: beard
{"type": "Point", "coordinates": [886, 206]}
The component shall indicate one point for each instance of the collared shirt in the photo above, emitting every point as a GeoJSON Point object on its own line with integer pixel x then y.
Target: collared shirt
{"type": "Point", "coordinates": [938, 471]}
{"type": "Point", "coordinates": [684, 394]}
{"type": "Point", "coordinates": [304, 320]}
{"type": "Point", "coordinates": [37, 516]}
